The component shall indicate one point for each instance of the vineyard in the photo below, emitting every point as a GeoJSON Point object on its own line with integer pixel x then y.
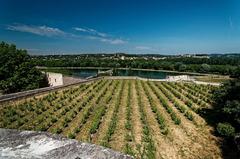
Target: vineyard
{"type": "Point", "coordinates": [140, 118]}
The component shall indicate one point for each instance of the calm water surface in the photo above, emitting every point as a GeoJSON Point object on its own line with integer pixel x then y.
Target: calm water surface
{"type": "Point", "coordinates": [84, 73]}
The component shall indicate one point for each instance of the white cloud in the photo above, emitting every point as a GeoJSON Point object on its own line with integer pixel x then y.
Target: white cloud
{"type": "Point", "coordinates": [80, 29]}
{"type": "Point", "coordinates": [38, 30]}
{"type": "Point", "coordinates": [145, 48]}
{"type": "Point", "coordinates": [91, 31]}
{"type": "Point", "coordinates": [117, 41]}
{"type": "Point", "coordinates": [108, 40]}
{"type": "Point", "coordinates": [51, 32]}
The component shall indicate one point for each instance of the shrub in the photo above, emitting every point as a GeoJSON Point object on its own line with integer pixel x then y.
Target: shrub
{"type": "Point", "coordinates": [41, 128]}
{"type": "Point", "coordinates": [189, 115]}
{"type": "Point", "coordinates": [57, 130]}
{"type": "Point", "coordinates": [20, 122]}
{"type": "Point", "coordinates": [38, 112]}
{"type": "Point", "coordinates": [128, 125]}
{"type": "Point", "coordinates": [29, 107]}
{"type": "Point", "coordinates": [71, 136]}
{"type": "Point", "coordinates": [128, 150]}
{"type": "Point", "coordinates": [63, 112]}
{"type": "Point", "coordinates": [10, 112]}
{"type": "Point", "coordinates": [53, 120]}
{"type": "Point", "coordinates": [77, 130]}
{"type": "Point", "coordinates": [64, 124]}
{"type": "Point", "coordinates": [67, 119]}
{"type": "Point", "coordinates": [225, 129]}
{"type": "Point", "coordinates": [128, 137]}
{"type": "Point", "coordinates": [165, 131]}
{"type": "Point", "coordinates": [176, 120]}
{"type": "Point", "coordinates": [189, 103]}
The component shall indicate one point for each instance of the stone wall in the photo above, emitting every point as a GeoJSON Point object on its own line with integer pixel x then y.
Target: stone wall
{"type": "Point", "coordinates": [18, 144]}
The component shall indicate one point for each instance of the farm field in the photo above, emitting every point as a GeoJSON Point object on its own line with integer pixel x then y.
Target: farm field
{"type": "Point", "coordinates": [141, 118]}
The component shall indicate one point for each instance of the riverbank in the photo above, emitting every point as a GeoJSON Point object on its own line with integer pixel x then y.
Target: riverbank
{"type": "Point", "coordinates": [85, 72]}
{"type": "Point", "coordinates": [106, 68]}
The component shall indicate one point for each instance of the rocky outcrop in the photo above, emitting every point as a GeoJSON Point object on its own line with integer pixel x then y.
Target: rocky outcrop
{"type": "Point", "coordinates": [30, 144]}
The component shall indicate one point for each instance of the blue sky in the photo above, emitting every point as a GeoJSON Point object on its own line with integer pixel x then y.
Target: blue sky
{"type": "Point", "coordinates": [130, 26]}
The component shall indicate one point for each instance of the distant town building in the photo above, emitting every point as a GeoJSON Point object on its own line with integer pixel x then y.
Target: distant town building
{"type": "Point", "coordinates": [122, 57]}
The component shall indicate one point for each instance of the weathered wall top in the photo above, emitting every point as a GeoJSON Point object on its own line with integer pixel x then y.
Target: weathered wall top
{"type": "Point", "coordinates": [30, 144]}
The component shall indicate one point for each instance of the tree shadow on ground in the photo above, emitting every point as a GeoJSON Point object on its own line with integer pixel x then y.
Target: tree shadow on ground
{"type": "Point", "coordinates": [228, 148]}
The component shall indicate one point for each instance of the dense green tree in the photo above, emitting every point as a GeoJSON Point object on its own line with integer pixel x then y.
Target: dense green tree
{"type": "Point", "coordinates": [226, 116]}
{"type": "Point", "coordinates": [225, 129]}
{"type": "Point", "coordinates": [227, 101]}
{"type": "Point", "coordinates": [17, 70]}
{"type": "Point", "coordinates": [236, 72]}
{"type": "Point", "coordinates": [205, 68]}
{"type": "Point", "coordinates": [227, 109]}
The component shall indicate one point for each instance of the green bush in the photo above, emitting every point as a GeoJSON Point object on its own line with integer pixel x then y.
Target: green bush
{"type": "Point", "coordinates": [128, 137]}
{"type": "Point", "coordinates": [71, 136]}
{"type": "Point", "coordinates": [225, 129]}
{"type": "Point", "coordinates": [189, 115]}
{"type": "Point", "coordinates": [53, 120]}
{"type": "Point", "coordinates": [128, 125]}
{"type": "Point", "coordinates": [77, 130]}
{"type": "Point", "coordinates": [128, 150]}
{"type": "Point", "coordinates": [57, 130]}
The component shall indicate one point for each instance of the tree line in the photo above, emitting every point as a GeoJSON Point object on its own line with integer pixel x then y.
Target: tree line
{"type": "Point", "coordinates": [216, 65]}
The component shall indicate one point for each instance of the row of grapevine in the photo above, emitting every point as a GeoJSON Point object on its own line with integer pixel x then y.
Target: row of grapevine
{"type": "Point", "coordinates": [179, 106]}
{"type": "Point", "coordinates": [27, 110]}
{"type": "Point", "coordinates": [164, 103]}
{"type": "Point", "coordinates": [57, 113]}
{"type": "Point", "coordinates": [58, 110]}
{"type": "Point", "coordinates": [174, 90]}
{"type": "Point", "coordinates": [112, 125]}
{"type": "Point", "coordinates": [89, 109]}
{"type": "Point", "coordinates": [203, 90]}
{"type": "Point", "coordinates": [195, 97]}
{"type": "Point", "coordinates": [98, 116]}
{"type": "Point", "coordinates": [149, 149]}
{"type": "Point", "coordinates": [63, 113]}
{"type": "Point", "coordinates": [159, 117]}
{"type": "Point", "coordinates": [128, 125]}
